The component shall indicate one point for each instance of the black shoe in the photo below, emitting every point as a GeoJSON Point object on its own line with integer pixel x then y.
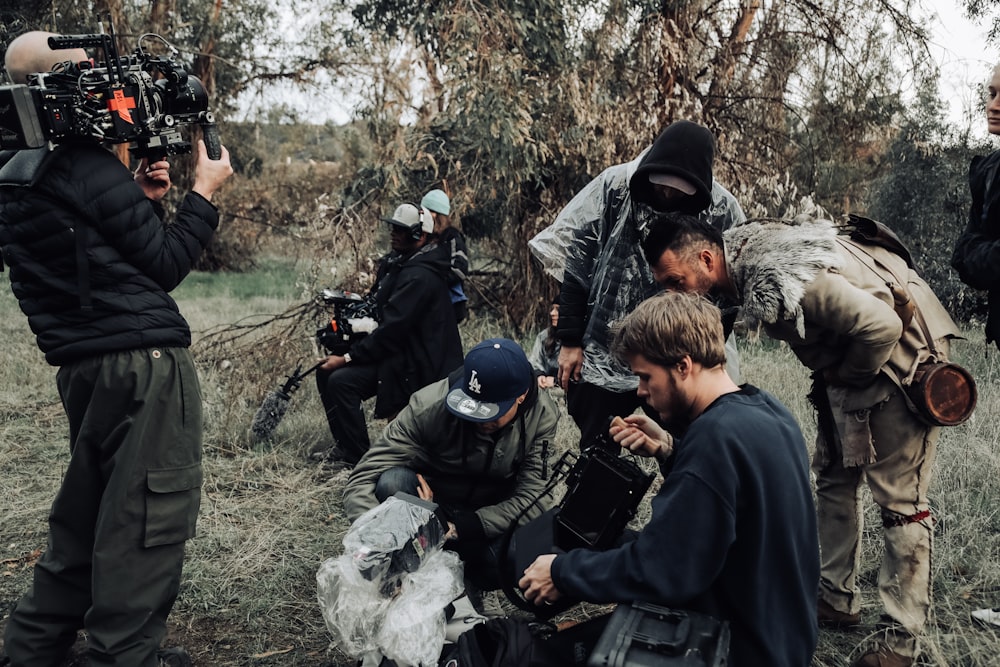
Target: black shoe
{"type": "Point", "coordinates": [338, 458]}
{"type": "Point", "coordinates": [174, 657]}
{"type": "Point", "coordinates": [334, 455]}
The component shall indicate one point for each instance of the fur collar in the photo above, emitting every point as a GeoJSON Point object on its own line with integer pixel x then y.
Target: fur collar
{"type": "Point", "coordinates": [771, 262]}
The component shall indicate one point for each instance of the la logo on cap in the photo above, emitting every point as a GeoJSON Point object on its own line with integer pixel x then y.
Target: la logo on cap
{"type": "Point", "coordinates": [474, 385]}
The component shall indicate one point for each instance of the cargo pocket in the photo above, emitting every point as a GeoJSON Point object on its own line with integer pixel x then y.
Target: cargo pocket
{"type": "Point", "coordinates": [173, 496]}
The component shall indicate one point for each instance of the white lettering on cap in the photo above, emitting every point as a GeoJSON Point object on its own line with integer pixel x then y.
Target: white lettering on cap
{"type": "Point", "coordinates": [474, 385]}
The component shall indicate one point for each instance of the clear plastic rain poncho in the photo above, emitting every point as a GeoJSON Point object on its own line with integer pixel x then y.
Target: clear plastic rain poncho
{"type": "Point", "coordinates": [386, 595]}
{"type": "Point", "coordinates": [596, 241]}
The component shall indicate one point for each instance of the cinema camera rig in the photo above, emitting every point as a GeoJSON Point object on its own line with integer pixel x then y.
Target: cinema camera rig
{"type": "Point", "coordinates": [141, 99]}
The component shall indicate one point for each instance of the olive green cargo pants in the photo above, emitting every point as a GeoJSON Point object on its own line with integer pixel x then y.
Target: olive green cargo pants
{"type": "Point", "coordinates": [128, 501]}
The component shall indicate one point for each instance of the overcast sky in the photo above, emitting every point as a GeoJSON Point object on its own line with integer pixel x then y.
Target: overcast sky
{"type": "Point", "coordinates": [966, 61]}
{"type": "Point", "coordinates": [958, 46]}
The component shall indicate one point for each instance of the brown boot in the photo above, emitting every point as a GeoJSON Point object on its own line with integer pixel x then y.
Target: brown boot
{"type": "Point", "coordinates": [883, 657]}
{"type": "Point", "coordinates": [830, 617]}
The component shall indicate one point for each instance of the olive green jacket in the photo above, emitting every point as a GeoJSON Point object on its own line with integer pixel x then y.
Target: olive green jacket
{"type": "Point", "coordinates": [482, 481]}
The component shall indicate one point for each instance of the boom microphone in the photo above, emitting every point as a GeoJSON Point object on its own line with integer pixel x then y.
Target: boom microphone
{"type": "Point", "coordinates": [275, 405]}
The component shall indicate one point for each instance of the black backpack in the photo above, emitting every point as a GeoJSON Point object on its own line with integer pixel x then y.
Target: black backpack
{"type": "Point", "coordinates": [511, 642]}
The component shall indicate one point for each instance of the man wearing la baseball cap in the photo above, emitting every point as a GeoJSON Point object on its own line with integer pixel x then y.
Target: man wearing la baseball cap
{"type": "Point", "coordinates": [496, 379]}
{"type": "Point", "coordinates": [475, 443]}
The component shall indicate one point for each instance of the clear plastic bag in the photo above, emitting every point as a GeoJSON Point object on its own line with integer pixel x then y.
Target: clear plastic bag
{"type": "Point", "coordinates": [387, 592]}
{"type": "Point", "coordinates": [392, 539]}
{"type": "Point", "coordinates": [413, 632]}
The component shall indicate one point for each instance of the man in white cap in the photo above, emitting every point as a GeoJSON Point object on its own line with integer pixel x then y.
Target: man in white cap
{"type": "Point", "coordinates": [452, 245]}
{"type": "Point", "coordinates": [415, 343]}
{"type": "Point", "coordinates": [476, 444]}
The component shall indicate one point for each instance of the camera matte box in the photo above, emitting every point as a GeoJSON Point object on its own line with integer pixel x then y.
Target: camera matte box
{"type": "Point", "coordinates": [20, 126]}
{"type": "Point", "coordinates": [648, 635]}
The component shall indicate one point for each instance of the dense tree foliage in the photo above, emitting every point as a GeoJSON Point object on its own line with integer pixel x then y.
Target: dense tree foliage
{"type": "Point", "coordinates": [518, 104]}
{"type": "Point", "coordinates": [513, 105]}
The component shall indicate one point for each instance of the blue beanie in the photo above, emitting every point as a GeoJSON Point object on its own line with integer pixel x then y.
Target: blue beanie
{"type": "Point", "coordinates": [437, 201]}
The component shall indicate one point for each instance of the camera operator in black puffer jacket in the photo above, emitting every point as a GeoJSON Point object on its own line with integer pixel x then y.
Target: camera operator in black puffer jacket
{"type": "Point", "coordinates": [91, 264]}
{"type": "Point", "coordinates": [416, 341]}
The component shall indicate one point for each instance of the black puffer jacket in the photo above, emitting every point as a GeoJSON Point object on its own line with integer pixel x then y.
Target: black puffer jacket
{"type": "Point", "coordinates": [82, 202]}
{"type": "Point", "coordinates": [977, 250]}
{"type": "Point", "coordinates": [417, 340]}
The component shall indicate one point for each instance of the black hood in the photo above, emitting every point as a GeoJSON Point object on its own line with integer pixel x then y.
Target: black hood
{"type": "Point", "coordinates": [684, 149]}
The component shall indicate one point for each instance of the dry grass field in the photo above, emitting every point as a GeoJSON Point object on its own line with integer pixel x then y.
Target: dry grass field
{"type": "Point", "coordinates": [271, 515]}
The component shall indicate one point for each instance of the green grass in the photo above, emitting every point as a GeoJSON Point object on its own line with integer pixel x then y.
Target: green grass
{"type": "Point", "coordinates": [274, 278]}
{"type": "Point", "coordinates": [270, 515]}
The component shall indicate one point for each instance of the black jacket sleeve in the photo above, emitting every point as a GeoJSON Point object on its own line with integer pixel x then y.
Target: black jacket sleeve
{"type": "Point", "coordinates": [572, 312]}
{"type": "Point", "coordinates": [977, 251]}
{"type": "Point", "coordinates": [406, 304]}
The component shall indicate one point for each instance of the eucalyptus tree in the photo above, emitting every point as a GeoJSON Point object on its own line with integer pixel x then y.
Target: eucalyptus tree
{"type": "Point", "coordinates": [515, 104]}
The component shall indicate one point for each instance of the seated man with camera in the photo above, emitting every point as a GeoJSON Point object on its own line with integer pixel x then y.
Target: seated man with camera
{"type": "Point", "coordinates": [415, 343]}
{"type": "Point", "coordinates": [733, 529]}
{"type": "Point", "coordinates": [476, 444]}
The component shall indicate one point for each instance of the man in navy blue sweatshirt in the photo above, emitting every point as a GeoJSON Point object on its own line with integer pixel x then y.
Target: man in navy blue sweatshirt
{"type": "Point", "coordinates": [733, 527]}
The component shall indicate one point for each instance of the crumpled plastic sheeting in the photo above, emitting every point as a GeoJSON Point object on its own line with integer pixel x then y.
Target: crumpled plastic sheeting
{"type": "Point", "coordinates": [365, 610]}
{"type": "Point", "coordinates": [352, 606]}
{"type": "Point", "coordinates": [392, 538]}
{"type": "Point", "coordinates": [596, 241]}
{"type": "Point", "coordinates": [413, 632]}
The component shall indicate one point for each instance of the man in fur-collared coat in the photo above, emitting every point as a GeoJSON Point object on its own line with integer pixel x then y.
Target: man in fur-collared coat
{"type": "Point", "coordinates": [840, 306]}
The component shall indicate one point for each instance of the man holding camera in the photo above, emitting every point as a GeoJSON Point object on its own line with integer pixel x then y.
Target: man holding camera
{"type": "Point", "coordinates": [733, 529]}
{"type": "Point", "coordinates": [415, 343]}
{"type": "Point", "coordinates": [475, 443]}
{"type": "Point", "coordinates": [859, 317]}
{"type": "Point", "coordinates": [91, 263]}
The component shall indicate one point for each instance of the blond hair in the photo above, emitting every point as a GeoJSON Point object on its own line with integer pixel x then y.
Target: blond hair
{"type": "Point", "coordinates": [669, 326]}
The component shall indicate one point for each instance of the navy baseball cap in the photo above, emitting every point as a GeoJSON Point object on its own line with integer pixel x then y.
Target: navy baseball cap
{"type": "Point", "coordinates": [497, 372]}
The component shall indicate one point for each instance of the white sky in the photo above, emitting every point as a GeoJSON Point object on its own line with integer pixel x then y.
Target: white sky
{"type": "Point", "coordinates": [965, 59]}
{"type": "Point", "coordinates": [958, 46]}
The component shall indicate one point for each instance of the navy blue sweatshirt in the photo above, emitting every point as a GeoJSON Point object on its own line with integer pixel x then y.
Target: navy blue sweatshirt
{"type": "Point", "coordinates": [732, 534]}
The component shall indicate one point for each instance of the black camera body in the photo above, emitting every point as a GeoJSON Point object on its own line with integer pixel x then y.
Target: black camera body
{"type": "Point", "coordinates": [354, 317]}
{"type": "Point", "coordinates": [141, 99]}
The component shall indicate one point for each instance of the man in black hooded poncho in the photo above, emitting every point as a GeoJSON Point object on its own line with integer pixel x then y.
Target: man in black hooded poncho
{"type": "Point", "coordinates": [593, 249]}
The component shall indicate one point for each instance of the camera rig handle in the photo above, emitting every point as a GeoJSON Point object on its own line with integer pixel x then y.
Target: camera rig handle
{"type": "Point", "coordinates": [57, 42]}
{"type": "Point", "coordinates": [106, 42]}
{"type": "Point", "coordinates": [210, 131]}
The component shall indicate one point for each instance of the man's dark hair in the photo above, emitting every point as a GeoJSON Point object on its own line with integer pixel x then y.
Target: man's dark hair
{"type": "Point", "coordinates": [677, 232]}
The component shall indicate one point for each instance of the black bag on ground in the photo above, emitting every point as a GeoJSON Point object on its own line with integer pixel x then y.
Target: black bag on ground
{"type": "Point", "coordinates": [506, 642]}
{"type": "Point", "coordinates": [646, 635]}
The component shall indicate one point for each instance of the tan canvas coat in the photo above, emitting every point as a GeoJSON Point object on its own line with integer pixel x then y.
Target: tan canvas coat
{"type": "Point", "coordinates": [835, 302]}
